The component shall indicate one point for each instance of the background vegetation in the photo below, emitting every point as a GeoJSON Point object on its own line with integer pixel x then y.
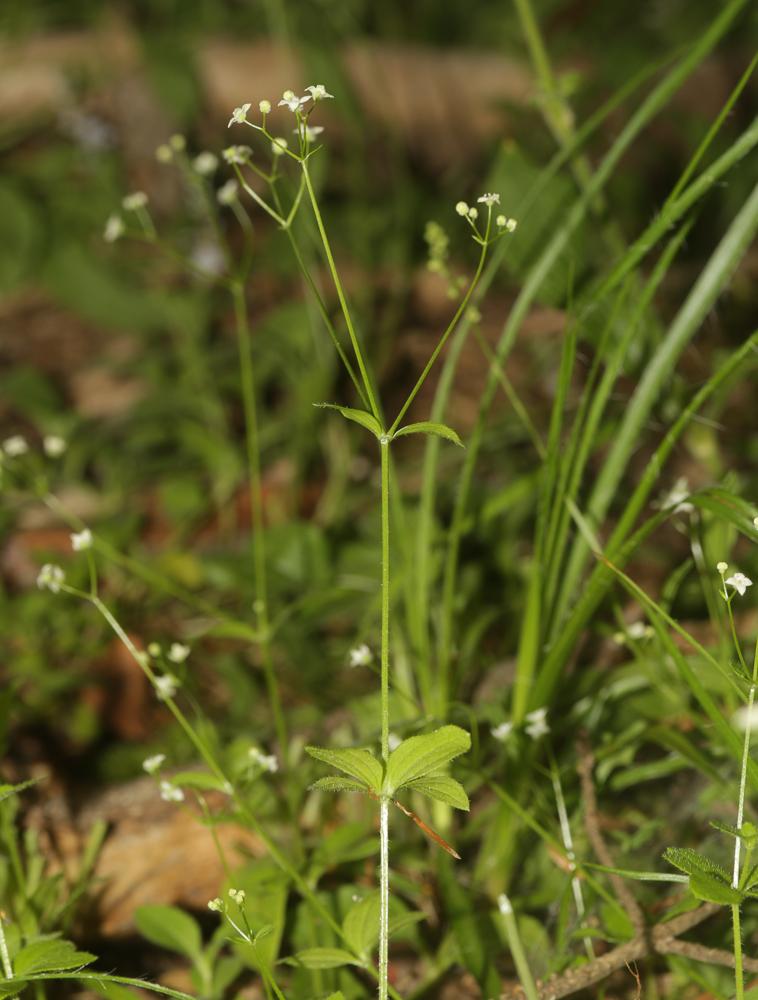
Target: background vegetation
{"type": "Point", "coordinates": [604, 390]}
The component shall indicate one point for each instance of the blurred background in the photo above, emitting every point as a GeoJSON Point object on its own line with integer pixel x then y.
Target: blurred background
{"type": "Point", "coordinates": [133, 361]}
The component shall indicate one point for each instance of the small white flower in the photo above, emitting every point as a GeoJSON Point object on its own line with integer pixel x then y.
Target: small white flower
{"type": "Point", "coordinates": [318, 92]}
{"type": "Point", "coordinates": [312, 132]}
{"type": "Point", "coordinates": [239, 115]}
{"type": "Point", "coordinates": [54, 445]}
{"type": "Point", "coordinates": [264, 107]}
{"type": "Point", "coordinates": [15, 446]}
{"type": "Point", "coordinates": [237, 154]}
{"type": "Point", "coordinates": [217, 904]}
{"type": "Point", "coordinates": [267, 761]}
{"type": "Point", "coordinates": [393, 741]}
{"type": "Point", "coordinates": [740, 583]}
{"type": "Point", "coordinates": [237, 896]}
{"type": "Point", "coordinates": [228, 192]}
{"type": "Point", "coordinates": [170, 792]}
{"type": "Point", "coordinates": [208, 257]}
{"type": "Point", "coordinates": [50, 577]}
{"type": "Point", "coordinates": [473, 213]}
{"type": "Point", "coordinates": [676, 498]}
{"type": "Point", "coordinates": [178, 653]}
{"type": "Point", "coordinates": [502, 732]}
{"type": "Point", "coordinates": [537, 723]}
{"type": "Point", "coordinates": [638, 630]}
{"type": "Point", "coordinates": [504, 904]}
{"type": "Point", "coordinates": [489, 199]}
{"type": "Point", "coordinates": [153, 764]}
{"type": "Point", "coordinates": [721, 568]}
{"type": "Point", "coordinates": [166, 686]}
{"type": "Point", "coordinates": [164, 153]}
{"type": "Point", "coordinates": [205, 163]}
{"type": "Point", "coordinates": [81, 540]}
{"type": "Point", "coordinates": [501, 221]}
{"type": "Point", "coordinates": [511, 225]}
{"type": "Point", "coordinates": [361, 656]}
{"type": "Point", "coordinates": [154, 649]}
{"type": "Point", "coordinates": [755, 522]}
{"type": "Point", "coordinates": [461, 208]}
{"type": "Point", "coordinates": [134, 201]}
{"type": "Point", "coordinates": [178, 143]}
{"type": "Point", "coordinates": [279, 146]}
{"type": "Point", "coordinates": [744, 719]}
{"type": "Point", "coordinates": [114, 228]}
{"type": "Point", "coordinates": [292, 101]}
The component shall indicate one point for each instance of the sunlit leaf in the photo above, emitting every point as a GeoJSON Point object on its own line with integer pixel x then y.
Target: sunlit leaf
{"type": "Point", "coordinates": [423, 755]}
{"type": "Point", "coordinates": [427, 427]}
{"type": "Point", "coordinates": [358, 763]}
{"type": "Point", "coordinates": [367, 420]}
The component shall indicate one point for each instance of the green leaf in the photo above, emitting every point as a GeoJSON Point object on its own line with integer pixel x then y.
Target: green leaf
{"type": "Point", "coordinates": [747, 832]}
{"type": "Point", "coordinates": [361, 925]}
{"type": "Point", "coordinates": [442, 788]}
{"type": "Point", "coordinates": [50, 955]}
{"type": "Point", "coordinates": [337, 784]}
{"type": "Point", "coordinates": [6, 791]}
{"type": "Point", "coordinates": [358, 763]}
{"type": "Point", "coordinates": [711, 889]}
{"type": "Point", "coordinates": [427, 427]}
{"type": "Point", "coordinates": [423, 755]}
{"type": "Point", "coordinates": [693, 863]}
{"type": "Point", "coordinates": [322, 958]}
{"type": "Point", "coordinates": [339, 995]}
{"type": "Point", "coordinates": [202, 780]}
{"type": "Point", "coordinates": [171, 928]}
{"type": "Point", "coordinates": [367, 420]}
{"type": "Point", "coordinates": [12, 987]}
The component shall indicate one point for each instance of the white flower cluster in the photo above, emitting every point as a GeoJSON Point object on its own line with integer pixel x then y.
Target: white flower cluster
{"type": "Point", "coordinates": [489, 200]}
{"type": "Point", "coordinates": [536, 726]}
{"type": "Point", "coordinates": [267, 762]}
{"type": "Point", "coordinates": [360, 656]}
{"type": "Point", "coordinates": [738, 581]}
{"type": "Point", "coordinates": [51, 577]}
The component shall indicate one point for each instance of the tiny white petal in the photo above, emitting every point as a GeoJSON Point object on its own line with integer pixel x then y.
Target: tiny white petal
{"type": "Point", "coordinates": [740, 583]}
{"type": "Point", "coordinates": [361, 656]}
{"type": "Point", "coordinates": [319, 92]}
{"type": "Point", "coordinates": [502, 732]}
{"type": "Point", "coordinates": [171, 793]}
{"type": "Point", "coordinates": [153, 764]}
{"type": "Point", "coordinates": [81, 540]}
{"type": "Point", "coordinates": [205, 163]}
{"type": "Point", "coordinates": [15, 446]}
{"type": "Point", "coordinates": [178, 653]}
{"type": "Point", "coordinates": [393, 741]}
{"type": "Point", "coordinates": [134, 201]}
{"type": "Point", "coordinates": [166, 686]}
{"type": "Point", "coordinates": [114, 228]}
{"type": "Point", "coordinates": [217, 904]}
{"type": "Point", "coordinates": [228, 192]}
{"type": "Point", "coordinates": [237, 154]}
{"type": "Point", "coordinates": [54, 445]}
{"type": "Point", "coordinates": [489, 199]}
{"type": "Point", "coordinates": [511, 225]}
{"type": "Point", "coordinates": [50, 577]}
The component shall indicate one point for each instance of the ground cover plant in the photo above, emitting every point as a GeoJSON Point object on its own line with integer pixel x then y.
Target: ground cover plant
{"type": "Point", "coordinates": [441, 656]}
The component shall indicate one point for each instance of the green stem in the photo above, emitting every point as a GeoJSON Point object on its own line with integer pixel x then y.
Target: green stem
{"type": "Point", "coordinates": [517, 949]}
{"type": "Point", "coordinates": [256, 502]}
{"type": "Point", "coordinates": [451, 326]}
{"type": "Point", "coordinates": [250, 818]}
{"type": "Point", "coordinates": [739, 986]}
{"type": "Point", "coordinates": [4, 956]}
{"type": "Point", "coordinates": [384, 874]}
{"type": "Point", "coordinates": [340, 292]}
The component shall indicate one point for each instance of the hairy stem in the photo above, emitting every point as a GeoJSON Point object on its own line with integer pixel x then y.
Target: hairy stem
{"type": "Point", "coordinates": [384, 873]}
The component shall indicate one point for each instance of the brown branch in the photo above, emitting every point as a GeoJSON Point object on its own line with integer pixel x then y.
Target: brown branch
{"type": "Point", "coordinates": [662, 939]}
{"type": "Point", "coordinates": [592, 824]}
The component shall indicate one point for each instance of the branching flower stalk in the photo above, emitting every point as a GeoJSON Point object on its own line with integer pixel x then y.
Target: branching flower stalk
{"type": "Point", "coordinates": [371, 419]}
